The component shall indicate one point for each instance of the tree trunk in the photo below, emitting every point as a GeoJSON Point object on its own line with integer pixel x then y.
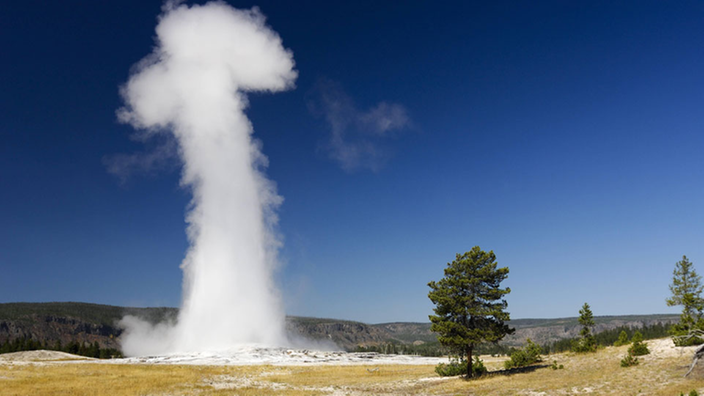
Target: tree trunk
{"type": "Point", "coordinates": [469, 362]}
{"type": "Point", "coordinates": [698, 353]}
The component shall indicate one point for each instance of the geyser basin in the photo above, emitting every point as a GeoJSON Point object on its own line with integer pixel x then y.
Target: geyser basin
{"type": "Point", "coordinates": [253, 355]}
{"type": "Point", "coordinates": [192, 86]}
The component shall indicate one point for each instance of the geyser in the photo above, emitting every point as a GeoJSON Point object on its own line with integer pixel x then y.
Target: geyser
{"type": "Point", "coordinates": [193, 86]}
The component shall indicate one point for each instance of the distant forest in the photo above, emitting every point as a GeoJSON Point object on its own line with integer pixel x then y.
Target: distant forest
{"type": "Point", "coordinates": [434, 349]}
{"type": "Point", "coordinates": [608, 337]}
{"type": "Point", "coordinates": [429, 349]}
{"type": "Point", "coordinates": [84, 349]}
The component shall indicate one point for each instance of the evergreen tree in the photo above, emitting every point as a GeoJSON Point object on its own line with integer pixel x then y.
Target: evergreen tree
{"type": "Point", "coordinates": [638, 348]}
{"type": "Point", "coordinates": [104, 354]}
{"type": "Point", "coordinates": [93, 350]}
{"type": "Point", "coordinates": [525, 356]}
{"type": "Point", "coordinates": [686, 289]}
{"type": "Point", "coordinates": [586, 342]}
{"type": "Point", "coordinates": [622, 339]}
{"type": "Point", "coordinates": [72, 347]}
{"type": "Point", "coordinates": [470, 308]}
{"type": "Point", "coordinates": [81, 349]}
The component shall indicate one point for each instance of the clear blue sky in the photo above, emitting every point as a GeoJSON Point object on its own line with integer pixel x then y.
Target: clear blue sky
{"type": "Point", "coordinates": [565, 137]}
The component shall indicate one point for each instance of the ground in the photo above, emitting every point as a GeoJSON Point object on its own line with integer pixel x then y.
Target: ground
{"type": "Point", "coordinates": [54, 373]}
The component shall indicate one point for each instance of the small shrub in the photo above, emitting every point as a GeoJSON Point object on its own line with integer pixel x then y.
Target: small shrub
{"type": "Point", "coordinates": [459, 367]}
{"type": "Point", "coordinates": [629, 361]}
{"type": "Point", "coordinates": [622, 339]}
{"type": "Point", "coordinates": [555, 366]}
{"type": "Point", "coordinates": [682, 341]}
{"type": "Point", "coordinates": [451, 369]}
{"type": "Point", "coordinates": [525, 356]}
{"type": "Point", "coordinates": [478, 367]}
{"type": "Point", "coordinates": [638, 348]}
{"type": "Point", "coordinates": [693, 393]}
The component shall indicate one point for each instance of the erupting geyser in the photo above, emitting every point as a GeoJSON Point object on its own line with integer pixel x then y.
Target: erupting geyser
{"type": "Point", "coordinates": [193, 86]}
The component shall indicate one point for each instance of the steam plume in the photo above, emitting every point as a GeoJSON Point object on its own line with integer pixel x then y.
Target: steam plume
{"type": "Point", "coordinates": [356, 136]}
{"type": "Point", "coordinates": [193, 86]}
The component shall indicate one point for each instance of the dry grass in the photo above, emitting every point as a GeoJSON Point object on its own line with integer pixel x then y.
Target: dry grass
{"type": "Point", "coordinates": [658, 374]}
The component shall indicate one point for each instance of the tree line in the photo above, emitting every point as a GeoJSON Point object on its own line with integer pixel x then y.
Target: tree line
{"type": "Point", "coordinates": [602, 339]}
{"type": "Point", "coordinates": [431, 349]}
{"type": "Point", "coordinates": [609, 337]}
{"type": "Point", "coordinates": [77, 348]}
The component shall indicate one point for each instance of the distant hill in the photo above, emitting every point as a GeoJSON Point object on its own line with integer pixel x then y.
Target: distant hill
{"type": "Point", "coordinates": [541, 331]}
{"type": "Point", "coordinates": [84, 322]}
{"type": "Point", "coordinates": [71, 321]}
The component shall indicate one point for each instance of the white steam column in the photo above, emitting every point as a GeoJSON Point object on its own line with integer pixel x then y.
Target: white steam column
{"type": "Point", "coordinates": [193, 86]}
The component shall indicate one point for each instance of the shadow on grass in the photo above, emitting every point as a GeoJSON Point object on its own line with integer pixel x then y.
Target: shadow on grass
{"type": "Point", "coordinates": [511, 371]}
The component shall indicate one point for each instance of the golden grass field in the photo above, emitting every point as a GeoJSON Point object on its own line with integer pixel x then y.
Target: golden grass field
{"type": "Point", "coordinates": [660, 373]}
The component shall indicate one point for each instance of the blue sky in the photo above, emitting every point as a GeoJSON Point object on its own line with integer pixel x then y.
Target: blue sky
{"type": "Point", "coordinates": [565, 137]}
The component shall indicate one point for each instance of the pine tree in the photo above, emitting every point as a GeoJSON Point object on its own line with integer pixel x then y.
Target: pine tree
{"type": "Point", "coordinates": [638, 348]}
{"type": "Point", "coordinates": [686, 289]}
{"type": "Point", "coordinates": [72, 347]}
{"type": "Point", "coordinates": [470, 308]}
{"type": "Point", "coordinates": [622, 339]}
{"type": "Point", "coordinates": [586, 342]}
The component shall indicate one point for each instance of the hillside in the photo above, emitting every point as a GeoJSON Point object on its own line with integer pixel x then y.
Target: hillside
{"type": "Point", "coordinates": [540, 331]}
{"type": "Point", "coordinates": [84, 322]}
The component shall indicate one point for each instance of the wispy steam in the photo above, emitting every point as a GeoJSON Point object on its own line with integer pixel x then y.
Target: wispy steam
{"type": "Point", "coordinates": [356, 137]}
{"type": "Point", "coordinates": [193, 86]}
{"type": "Point", "coordinates": [164, 155]}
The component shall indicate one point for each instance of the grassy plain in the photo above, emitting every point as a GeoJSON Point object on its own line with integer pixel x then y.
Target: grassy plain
{"type": "Point", "coordinates": [660, 373]}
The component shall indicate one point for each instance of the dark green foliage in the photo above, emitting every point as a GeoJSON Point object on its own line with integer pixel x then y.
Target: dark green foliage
{"type": "Point", "coordinates": [638, 348]}
{"type": "Point", "coordinates": [491, 348]}
{"type": "Point", "coordinates": [73, 347]}
{"type": "Point", "coordinates": [469, 304]}
{"type": "Point", "coordinates": [622, 339]}
{"type": "Point", "coordinates": [390, 348]}
{"type": "Point", "coordinates": [451, 369]}
{"type": "Point", "coordinates": [459, 367]}
{"type": "Point", "coordinates": [584, 344]}
{"type": "Point", "coordinates": [608, 337]}
{"type": "Point", "coordinates": [90, 350]}
{"type": "Point", "coordinates": [586, 341]}
{"type": "Point", "coordinates": [693, 392]}
{"type": "Point", "coordinates": [657, 330]}
{"type": "Point", "coordinates": [686, 289]}
{"type": "Point", "coordinates": [681, 337]}
{"type": "Point", "coordinates": [431, 349]}
{"type": "Point", "coordinates": [629, 361]}
{"type": "Point", "coordinates": [586, 318]}
{"type": "Point", "coordinates": [525, 356]}
{"type": "Point", "coordinates": [478, 367]}
{"type": "Point", "coordinates": [555, 366]}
